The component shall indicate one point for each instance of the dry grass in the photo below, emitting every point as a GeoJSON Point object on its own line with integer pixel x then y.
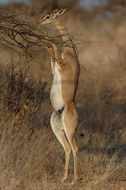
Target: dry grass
{"type": "Point", "coordinates": [30, 156]}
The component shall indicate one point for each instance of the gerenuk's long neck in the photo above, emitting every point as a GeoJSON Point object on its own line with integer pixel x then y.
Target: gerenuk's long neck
{"type": "Point", "coordinates": [64, 33]}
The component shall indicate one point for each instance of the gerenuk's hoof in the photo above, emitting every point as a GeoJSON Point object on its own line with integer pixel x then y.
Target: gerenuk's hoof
{"type": "Point", "coordinates": [74, 180]}
{"type": "Point", "coordinates": [63, 180]}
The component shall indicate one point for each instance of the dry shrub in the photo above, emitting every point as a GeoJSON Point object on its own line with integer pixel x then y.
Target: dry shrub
{"type": "Point", "coordinates": [20, 90]}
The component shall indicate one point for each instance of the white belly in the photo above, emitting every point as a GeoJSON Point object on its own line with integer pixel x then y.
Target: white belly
{"type": "Point", "coordinates": [56, 91]}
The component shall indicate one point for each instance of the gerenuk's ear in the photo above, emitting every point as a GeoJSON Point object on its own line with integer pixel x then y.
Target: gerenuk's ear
{"type": "Point", "coordinates": [61, 11]}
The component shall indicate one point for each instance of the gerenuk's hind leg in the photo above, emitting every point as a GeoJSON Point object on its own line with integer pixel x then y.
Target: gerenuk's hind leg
{"type": "Point", "coordinates": [70, 120]}
{"type": "Point", "coordinates": [57, 128]}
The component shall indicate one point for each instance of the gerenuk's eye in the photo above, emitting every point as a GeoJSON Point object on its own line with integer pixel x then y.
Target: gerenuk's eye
{"type": "Point", "coordinates": [48, 17]}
